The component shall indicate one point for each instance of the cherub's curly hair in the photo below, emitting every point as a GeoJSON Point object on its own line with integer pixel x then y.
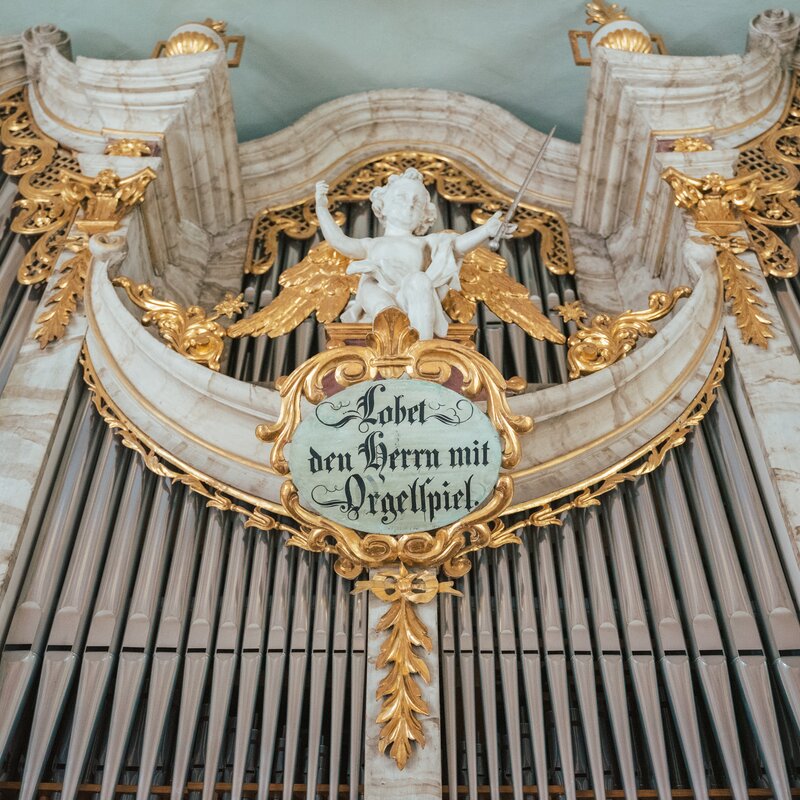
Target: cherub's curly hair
{"type": "Point", "coordinates": [378, 194]}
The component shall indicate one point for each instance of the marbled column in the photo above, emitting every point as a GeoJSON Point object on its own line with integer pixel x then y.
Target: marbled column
{"type": "Point", "coordinates": [422, 776]}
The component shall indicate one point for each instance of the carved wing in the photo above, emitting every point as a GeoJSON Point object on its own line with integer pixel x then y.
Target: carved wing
{"type": "Point", "coordinates": [317, 283]}
{"type": "Point", "coordinates": [484, 278]}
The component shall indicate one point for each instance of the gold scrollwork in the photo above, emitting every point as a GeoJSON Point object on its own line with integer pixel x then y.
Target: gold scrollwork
{"type": "Point", "coordinates": [607, 339]}
{"type": "Point", "coordinates": [776, 156]}
{"type": "Point", "coordinates": [402, 696]}
{"type": "Point", "coordinates": [190, 331]}
{"type": "Point", "coordinates": [393, 348]}
{"type": "Point", "coordinates": [453, 182]}
{"type": "Point", "coordinates": [718, 206]}
{"type": "Point", "coordinates": [38, 161]}
{"type": "Point", "coordinates": [447, 548]}
{"type": "Point", "coordinates": [54, 197]}
{"type": "Point", "coordinates": [104, 200]}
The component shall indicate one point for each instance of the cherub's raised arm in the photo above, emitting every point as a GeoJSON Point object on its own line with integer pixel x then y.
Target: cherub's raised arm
{"type": "Point", "coordinates": [338, 239]}
{"type": "Point", "coordinates": [467, 242]}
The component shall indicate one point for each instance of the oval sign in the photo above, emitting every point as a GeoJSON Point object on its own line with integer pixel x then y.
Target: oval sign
{"type": "Point", "coordinates": [395, 456]}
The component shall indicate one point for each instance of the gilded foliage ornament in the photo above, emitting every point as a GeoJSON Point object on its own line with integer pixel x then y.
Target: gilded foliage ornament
{"type": "Point", "coordinates": [775, 155]}
{"type": "Point", "coordinates": [54, 198]}
{"type": "Point", "coordinates": [38, 161]}
{"type": "Point", "coordinates": [719, 206]}
{"type": "Point", "coordinates": [607, 339]}
{"type": "Point", "coordinates": [189, 331]}
{"type": "Point", "coordinates": [402, 698]}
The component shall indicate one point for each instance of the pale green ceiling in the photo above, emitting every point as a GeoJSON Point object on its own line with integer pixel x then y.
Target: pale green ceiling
{"type": "Point", "coordinates": [300, 53]}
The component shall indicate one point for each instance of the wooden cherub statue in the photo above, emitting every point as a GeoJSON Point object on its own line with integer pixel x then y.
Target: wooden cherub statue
{"type": "Point", "coordinates": [406, 268]}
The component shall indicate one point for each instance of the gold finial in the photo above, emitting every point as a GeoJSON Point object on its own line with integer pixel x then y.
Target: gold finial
{"type": "Point", "coordinates": [188, 40]}
{"type": "Point", "coordinates": [188, 43]}
{"type": "Point", "coordinates": [617, 30]}
{"type": "Point", "coordinates": [600, 13]}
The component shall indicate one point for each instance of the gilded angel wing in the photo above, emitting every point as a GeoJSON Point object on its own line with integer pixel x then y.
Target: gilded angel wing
{"type": "Point", "coordinates": [484, 278]}
{"type": "Point", "coordinates": [317, 283]}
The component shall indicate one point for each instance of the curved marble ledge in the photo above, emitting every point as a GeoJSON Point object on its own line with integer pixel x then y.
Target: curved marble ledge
{"type": "Point", "coordinates": [204, 419]}
{"type": "Point", "coordinates": [336, 135]}
{"type": "Point", "coordinates": [587, 426]}
{"type": "Point", "coordinates": [207, 421]}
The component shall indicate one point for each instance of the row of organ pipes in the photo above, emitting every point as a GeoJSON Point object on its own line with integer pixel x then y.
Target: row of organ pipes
{"type": "Point", "coordinates": [155, 645]}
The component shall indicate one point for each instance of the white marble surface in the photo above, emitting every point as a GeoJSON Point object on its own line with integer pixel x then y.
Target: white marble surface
{"type": "Point", "coordinates": [586, 426]}
{"type": "Point", "coordinates": [324, 143]}
{"type": "Point", "coordinates": [12, 62]}
{"type": "Point", "coordinates": [422, 777]}
{"type": "Point", "coordinates": [208, 420]}
{"type": "Point", "coordinates": [634, 101]}
{"type": "Point", "coordinates": [203, 418]}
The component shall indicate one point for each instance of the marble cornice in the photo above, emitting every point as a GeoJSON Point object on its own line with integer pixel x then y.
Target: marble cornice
{"type": "Point", "coordinates": [481, 135]}
{"type": "Point", "coordinates": [635, 101]}
{"type": "Point", "coordinates": [181, 105]}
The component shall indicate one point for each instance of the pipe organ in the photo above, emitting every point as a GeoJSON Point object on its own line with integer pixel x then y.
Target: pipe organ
{"type": "Point", "coordinates": [618, 619]}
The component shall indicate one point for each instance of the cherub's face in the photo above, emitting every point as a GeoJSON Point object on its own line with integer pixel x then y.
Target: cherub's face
{"type": "Point", "coordinates": [405, 203]}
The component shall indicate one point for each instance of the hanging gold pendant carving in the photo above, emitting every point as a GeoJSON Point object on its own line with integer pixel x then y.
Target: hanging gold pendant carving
{"type": "Point", "coordinates": [719, 207]}
{"type": "Point", "coordinates": [403, 702]}
{"type": "Point", "coordinates": [189, 331]}
{"type": "Point", "coordinates": [54, 198]}
{"type": "Point", "coordinates": [453, 182]}
{"type": "Point", "coordinates": [607, 339]}
{"type": "Point", "coordinates": [66, 293]}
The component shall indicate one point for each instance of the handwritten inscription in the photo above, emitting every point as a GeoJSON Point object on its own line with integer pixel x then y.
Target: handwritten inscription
{"type": "Point", "coordinates": [395, 456]}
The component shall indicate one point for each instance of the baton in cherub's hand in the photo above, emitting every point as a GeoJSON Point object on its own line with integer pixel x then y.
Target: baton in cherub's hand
{"type": "Point", "coordinates": [496, 228]}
